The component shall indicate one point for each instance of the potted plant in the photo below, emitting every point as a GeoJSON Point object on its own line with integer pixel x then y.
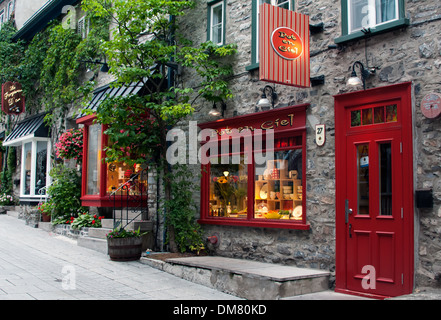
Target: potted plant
{"type": "Point", "coordinates": [46, 209]}
{"type": "Point", "coordinates": [124, 245]}
{"type": "Point", "coordinates": [86, 220]}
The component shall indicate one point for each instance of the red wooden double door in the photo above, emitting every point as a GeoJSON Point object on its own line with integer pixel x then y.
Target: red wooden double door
{"type": "Point", "coordinates": [374, 192]}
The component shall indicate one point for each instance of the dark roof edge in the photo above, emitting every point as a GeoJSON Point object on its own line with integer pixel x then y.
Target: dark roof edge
{"type": "Point", "coordinates": [40, 19]}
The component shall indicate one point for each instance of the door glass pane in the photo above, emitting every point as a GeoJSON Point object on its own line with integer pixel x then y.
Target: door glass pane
{"type": "Point", "coordinates": [355, 118]}
{"type": "Point", "coordinates": [363, 178]}
{"type": "Point", "coordinates": [391, 113]}
{"type": "Point", "coordinates": [27, 168]}
{"type": "Point", "coordinates": [379, 115]}
{"type": "Point", "coordinates": [385, 179]}
{"type": "Point", "coordinates": [93, 159]}
{"type": "Point", "coordinates": [366, 116]}
{"type": "Point", "coordinates": [40, 174]}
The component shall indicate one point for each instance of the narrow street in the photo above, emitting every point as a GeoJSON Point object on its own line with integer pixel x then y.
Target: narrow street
{"type": "Point", "coordinates": [37, 265]}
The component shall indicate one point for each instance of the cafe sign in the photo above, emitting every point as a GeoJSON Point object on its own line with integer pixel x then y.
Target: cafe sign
{"type": "Point", "coordinates": [13, 101]}
{"type": "Point", "coordinates": [284, 46]}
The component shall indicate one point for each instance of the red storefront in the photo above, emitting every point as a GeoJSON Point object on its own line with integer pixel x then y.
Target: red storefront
{"type": "Point", "coordinates": [265, 186]}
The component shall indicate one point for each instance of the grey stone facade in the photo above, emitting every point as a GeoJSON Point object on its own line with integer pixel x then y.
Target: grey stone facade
{"type": "Point", "coordinates": [411, 53]}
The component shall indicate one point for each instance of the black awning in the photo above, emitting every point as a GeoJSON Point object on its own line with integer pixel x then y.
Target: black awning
{"type": "Point", "coordinates": [28, 128]}
{"type": "Point", "coordinates": [107, 91]}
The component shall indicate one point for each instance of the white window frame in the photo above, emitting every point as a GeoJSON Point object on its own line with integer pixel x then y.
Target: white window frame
{"type": "Point", "coordinates": [11, 4]}
{"type": "Point", "coordinates": [83, 27]}
{"type": "Point", "coordinates": [257, 13]}
{"type": "Point", "coordinates": [212, 5]}
{"type": "Point", "coordinates": [2, 17]}
{"type": "Point", "coordinates": [372, 16]}
{"type": "Point", "coordinates": [32, 193]}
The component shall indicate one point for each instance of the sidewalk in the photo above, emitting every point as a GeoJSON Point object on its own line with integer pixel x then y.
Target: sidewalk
{"type": "Point", "coordinates": [39, 265]}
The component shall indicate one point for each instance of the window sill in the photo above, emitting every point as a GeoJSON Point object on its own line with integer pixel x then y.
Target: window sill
{"type": "Point", "coordinates": [253, 223]}
{"type": "Point", "coordinates": [252, 66]}
{"type": "Point", "coordinates": [393, 25]}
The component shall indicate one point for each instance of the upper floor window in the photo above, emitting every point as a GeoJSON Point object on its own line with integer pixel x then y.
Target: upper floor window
{"type": "Point", "coordinates": [216, 22]}
{"type": "Point", "coordinates": [83, 27]}
{"type": "Point", "coordinates": [2, 18]}
{"type": "Point", "coordinates": [286, 4]}
{"type": "Point", "coordinates": [373, 16]}
{"type": "Point", "coordinates": [11, 7]}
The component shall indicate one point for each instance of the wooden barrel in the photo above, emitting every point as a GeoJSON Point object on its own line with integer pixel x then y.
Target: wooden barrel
{"type": "Point", "coordinates": [124, 249]}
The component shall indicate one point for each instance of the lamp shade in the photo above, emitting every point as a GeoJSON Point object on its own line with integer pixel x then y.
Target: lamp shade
{"type": "Point", "coordinates": [214, 112]}
{"type": "Point", "coordinates": [264, 102]}
{"type": "Point", "coordinates": [354, 81]}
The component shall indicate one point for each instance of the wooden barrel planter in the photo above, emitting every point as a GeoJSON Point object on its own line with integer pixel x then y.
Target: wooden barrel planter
{"type": "Point", "coordinates": [124, 249]}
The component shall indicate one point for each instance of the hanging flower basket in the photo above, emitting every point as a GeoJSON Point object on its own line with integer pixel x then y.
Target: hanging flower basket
{"type": "Point", "coordinates": [70, 145]}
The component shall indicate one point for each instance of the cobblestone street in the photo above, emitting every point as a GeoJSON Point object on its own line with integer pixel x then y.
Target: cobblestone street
{"type": "Point", "coordinates": [37, 265]}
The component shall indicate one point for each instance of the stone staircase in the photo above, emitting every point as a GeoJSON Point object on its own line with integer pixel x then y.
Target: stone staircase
{"type": "Point", "coordinates": [96, 238]}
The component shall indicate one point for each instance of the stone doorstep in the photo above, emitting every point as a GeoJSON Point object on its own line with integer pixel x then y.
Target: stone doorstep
{"type": "Point", "coordinates": [134, 225]}
{"type": "Point", "coordinates": [244, 278]}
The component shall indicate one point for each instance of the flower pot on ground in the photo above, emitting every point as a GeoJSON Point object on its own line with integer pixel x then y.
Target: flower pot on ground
{"type": "Point", "coordinates": [46, 209]}
{"type": "Point", "coordinates": [124, 245]}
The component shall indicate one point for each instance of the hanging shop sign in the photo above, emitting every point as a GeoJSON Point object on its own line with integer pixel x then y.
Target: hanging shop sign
{"type": "Point", "coordinates": [284, 46]}
{"type": "Point", "coordinates": [431, 105]}
{"type": "Point", "coordinates": [13, 101]}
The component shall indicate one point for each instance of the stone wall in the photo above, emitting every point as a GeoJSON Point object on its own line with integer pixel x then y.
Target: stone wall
{"type": "Point", "coordinates": [409, 54]}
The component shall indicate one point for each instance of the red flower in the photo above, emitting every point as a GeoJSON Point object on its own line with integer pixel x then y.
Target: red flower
{"type": "Point", "coordinates": [93, 221]}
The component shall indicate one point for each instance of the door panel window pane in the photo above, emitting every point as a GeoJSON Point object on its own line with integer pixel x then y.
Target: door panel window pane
{"type": "Point", "coordinates": [28, 165]}
{"type": "Point", "coordinates": [41, 168]}
{"type": "Point", "coordinates": [385, 179]}
{"type": "Point", "coordinates": [363, 178]}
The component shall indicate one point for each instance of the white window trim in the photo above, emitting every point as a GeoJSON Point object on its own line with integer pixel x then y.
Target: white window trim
{"type": "Point", "coordinates": [212, 7]}
{"type": "Point", "coordinates": [83, 27]}
{"type": "Point", "coordinates": [274, 3]}
{"type": "Point", "coordinates": [11, 4]}
{"type": "Point", "coordinates": [34, 167]}
{"type": "Point", "coordinates": [2, 17]}
{"type": "Point", "coordinates": [372, 16]}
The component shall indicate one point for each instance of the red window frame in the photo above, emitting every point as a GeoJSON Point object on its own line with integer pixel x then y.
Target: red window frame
{"type": "Point", "coordinates": [261, 120]}
{"type": "Point", "coordinates": [102, 199]}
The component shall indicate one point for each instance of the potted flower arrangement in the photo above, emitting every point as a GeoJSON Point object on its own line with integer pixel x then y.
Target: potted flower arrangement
{"type": "Point", "coordinates": [70, 145]}
{"type": "Point", "coordinates": [124, 245]}
{"type": "Point", "coordinates": [5, 201]}
{"type": "Point", "coordinates": [46, 208]}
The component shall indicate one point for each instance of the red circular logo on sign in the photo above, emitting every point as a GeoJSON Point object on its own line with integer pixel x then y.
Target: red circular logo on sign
{"type": "Point", "coordinates": [287, 43]}
{"type": "Point", "coordinates": [431, 105]}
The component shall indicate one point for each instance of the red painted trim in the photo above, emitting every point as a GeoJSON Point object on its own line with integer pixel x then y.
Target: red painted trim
{"type": "Point", "coordinates": [403, 93]}
{"type": "Point", "coordinates": [256, 223]}
{"type": "Point", "coordinates": [86, 119]}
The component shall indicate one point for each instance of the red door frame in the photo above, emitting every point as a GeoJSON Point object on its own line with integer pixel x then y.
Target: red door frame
{"type": "Point", "coordinates": [401, 92]}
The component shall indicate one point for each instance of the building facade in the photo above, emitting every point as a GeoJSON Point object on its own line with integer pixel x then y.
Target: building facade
{"type": "Point", "coordinates": [343, 216]}
{"type": "Point", "coordinates": [352, 184]}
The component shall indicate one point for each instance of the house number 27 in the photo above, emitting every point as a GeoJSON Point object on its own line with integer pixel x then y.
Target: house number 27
{"type": "Point", "coordinates": [320, 134]}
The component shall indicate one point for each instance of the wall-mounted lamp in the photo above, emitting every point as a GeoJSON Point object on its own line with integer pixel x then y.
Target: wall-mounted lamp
{"type": "Point", "coordinates": [264, 102]}
{"type": "Point", "coordinates": [215, 112]}
{"type": "Point", "coordinates": [104, 65]}
{"type": "Point", "coordinates": [365, 73]}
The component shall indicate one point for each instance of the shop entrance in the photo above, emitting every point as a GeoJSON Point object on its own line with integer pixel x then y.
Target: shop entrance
{"type": "Point", "coordinates": [374, 194]}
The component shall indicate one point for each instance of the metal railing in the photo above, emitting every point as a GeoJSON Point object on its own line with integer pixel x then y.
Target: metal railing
{"type": "Point", "coordinates": [131, 197]}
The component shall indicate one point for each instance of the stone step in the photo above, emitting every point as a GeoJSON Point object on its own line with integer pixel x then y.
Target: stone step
{"type": "Point", "coordinates": [145, 225]}
{"type": "Point", "coordinates": [131, 214]}
{"type": "Point", "coordinates": [244, 278]}
{"type": "Point", "coordinates": [14, 214]}
{"type": "Point", "coordinates": [99, 233]}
